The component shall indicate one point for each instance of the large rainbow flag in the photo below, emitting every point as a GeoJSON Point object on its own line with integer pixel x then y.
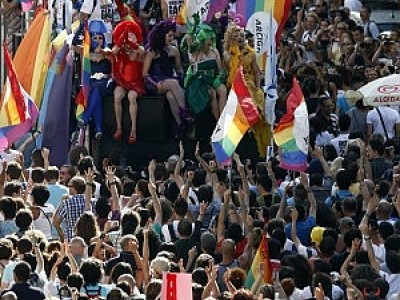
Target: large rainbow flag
{"type": "Point", "coordinates": [238, 116]}
{"type": "Point", "coordinates": [32, 57]}
{"type": "Point", "coordinates": [292, 132]}
{"type": "Point", "coordinates": [18, 111]}
{"type": "Point", "coordinates": [261, 260]}
{"type": "Point", "coordinates": [82, 98]}
{"type": "Point", "coordinates": [246, 8]}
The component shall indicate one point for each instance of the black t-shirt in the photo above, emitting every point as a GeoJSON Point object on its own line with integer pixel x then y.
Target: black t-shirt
{"type": "Point", "coordinates": [124, 256]}
{"type": "Point", "coordinates": [25, 291]}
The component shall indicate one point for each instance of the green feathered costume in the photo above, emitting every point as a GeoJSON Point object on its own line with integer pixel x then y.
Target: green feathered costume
{"type": "Point", "coordinates": [203, 75]}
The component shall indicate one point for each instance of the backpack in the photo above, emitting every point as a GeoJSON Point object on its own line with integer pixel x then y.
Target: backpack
{"type": "Point", "coordinates": [64, 292]}
{"type": "Point", "coordinates": [35, 281]}
{"type": "Point", "coordinates": [92, 294]}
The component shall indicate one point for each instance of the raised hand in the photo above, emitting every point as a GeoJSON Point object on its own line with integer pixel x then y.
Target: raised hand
{"type": "Point", "coordinates": [110, 172]}
{"type": "Point", "coordinates": [304, 180]}
{"type": "Point", "coordinates": [152, 188]}
{"type": "Point", "coordinates": [203, 208]}
{"type": "Point", "coordinates": [89, 175]}
{"type": "Point", "coordinates": [181, 150]}
{"type": "Point", "coordinates": [197, 150]}
{"type": "Point", "coordinates": [152, 166]}
{"type": "Point", "coordinates": [319, 292]}
{"type": "Point", "coordinates": [295, 215]}
{"type": "Point", "coordinates": [45, 153]}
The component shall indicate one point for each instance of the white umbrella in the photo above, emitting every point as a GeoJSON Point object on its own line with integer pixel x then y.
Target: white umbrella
{"type": "Point", "coordinates": [383, 91]}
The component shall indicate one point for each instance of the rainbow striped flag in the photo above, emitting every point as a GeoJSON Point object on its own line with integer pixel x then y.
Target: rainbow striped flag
{"type": "Point", "coordinates": [261, 260]}
{"type": "Point", "coordinates": [238, 116]}
{"type": "Point", "coordinates": [18, 111]}
{"type": "Point", "coordinates": [82, 98]}
{"type": "Point", "coordinates": [32, 58]}
{"type": "Point", "coordinates": [292, 132]}
{"type": "Point", "coordinates": [246, 8]}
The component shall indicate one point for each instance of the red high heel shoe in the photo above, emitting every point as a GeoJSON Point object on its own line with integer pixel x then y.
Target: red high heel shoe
{"type": "Point", "coordinates": [132, 138]}
{"type": "Point", "coordinates": [117, 136]}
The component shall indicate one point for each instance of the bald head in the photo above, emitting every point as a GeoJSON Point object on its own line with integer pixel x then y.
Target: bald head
{"type": "Point", "coordinates": [228, 247]}
{"type": "Point", "coordinates": [384, 210]}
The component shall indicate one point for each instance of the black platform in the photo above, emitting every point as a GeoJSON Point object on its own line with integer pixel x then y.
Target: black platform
{"type": "Point", "coordinates": [154, 134]}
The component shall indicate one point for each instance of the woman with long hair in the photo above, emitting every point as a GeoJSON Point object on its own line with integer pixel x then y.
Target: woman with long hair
{"type": "Point", "coordinates": [162, 71]}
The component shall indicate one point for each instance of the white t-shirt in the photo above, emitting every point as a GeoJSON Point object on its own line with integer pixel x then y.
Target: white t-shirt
{"type": "Point", "coordinates": [340, 143]}
{"type": "Point", "coordinates": [390, 117]}
{"type": "Point", "coordinates": [51, 289]}
{"type": "Point", "coordinates": [10, 156]}
{"type": "Point", "coordinates": [43, 222]}
{"type": "Point", "coordinates": [393, 280]}
{"type": "Point", "coordinates": [337, 293]}
{"type": "Point", "coordinates": [380, 252]}
{"type": "Point", "coordinates": [167, 235]}
{"type": "Point", "coordinates": [353, 5]}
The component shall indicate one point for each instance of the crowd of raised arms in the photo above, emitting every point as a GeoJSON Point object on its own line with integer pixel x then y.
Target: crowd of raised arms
{"type": "Point", "coordinates": [101, 230]}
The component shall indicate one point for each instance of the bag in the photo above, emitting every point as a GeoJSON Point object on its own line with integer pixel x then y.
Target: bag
{"type": "Point", "coordinates": [395, 141]}
{"type": "Point", "coordinates": [92, 294]}
{"type": "Point", "coordinates": [64, 292]}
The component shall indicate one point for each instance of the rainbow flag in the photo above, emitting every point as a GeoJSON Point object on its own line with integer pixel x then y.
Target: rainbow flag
{"type": "Point", "coordinates": [18, 111]}
{"type": "Point", "coordinates": [261, 260]}
{"type": "Point", "coordinates": [82, 98]}
{"type": "Point", "coordinates": [292, 132]}
{"type": "Point", "coordinates": [32, 57]}
{"type": "Point", "coordinates": [54, 116]}
{"type": "Point", "coordinates": [246, 8]}
{"type": "Point", "coordinates": [238, 116]}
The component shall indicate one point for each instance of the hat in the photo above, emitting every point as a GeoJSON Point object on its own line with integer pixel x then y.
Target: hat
{"type": "Point", "coordinates": [97, 26]}
{"type": "Point", "coordinates": [346, 222]}
{"type": "Point", "coordinates": [317, 234]}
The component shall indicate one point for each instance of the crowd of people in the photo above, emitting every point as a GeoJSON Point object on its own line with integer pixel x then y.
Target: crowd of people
{"type": "Point", "coordinates": [89, 229]}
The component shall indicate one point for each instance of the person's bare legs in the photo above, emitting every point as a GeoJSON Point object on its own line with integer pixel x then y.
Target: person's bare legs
{"type": "Point", "coordinates": [119, 94]}
{"type": "Point", "coordinates": [222, 97]}
{"type": "Point", "coordinates": [174, 107]}
{"type": "Point", "coordinates": [214, 103]}
{"type": "Point", "coordinates": [132, 97]}
{"type": "Point", "coordinates": [173, 86]}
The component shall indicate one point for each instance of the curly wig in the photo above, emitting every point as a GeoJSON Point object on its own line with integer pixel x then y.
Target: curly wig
{"type": "Point", "coordinates": [156, 38]}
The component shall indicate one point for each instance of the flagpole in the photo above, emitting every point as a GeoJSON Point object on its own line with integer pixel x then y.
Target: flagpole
{"type": "Point", "coordinates": [271, 84]}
